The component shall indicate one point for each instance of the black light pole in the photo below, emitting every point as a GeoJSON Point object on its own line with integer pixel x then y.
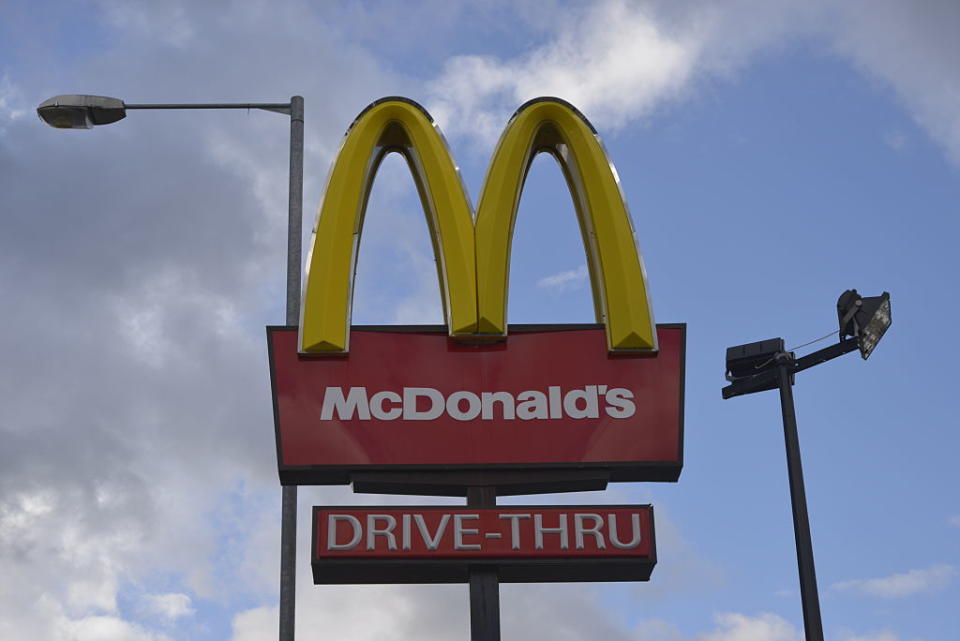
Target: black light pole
{"type": "Point", "coordinates": [84, 112]}
{"type": "Point", "coordinates": [765, 365]}
{"type": "Point", "coordinates": [798, 502]}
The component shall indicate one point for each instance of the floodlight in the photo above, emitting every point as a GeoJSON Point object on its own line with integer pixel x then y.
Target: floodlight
{"type": "Point", "coordinates": [74, 111]}
{"type": "Point", "coordinates": [864, 317]}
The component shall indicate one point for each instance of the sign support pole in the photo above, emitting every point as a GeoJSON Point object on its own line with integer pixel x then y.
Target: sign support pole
{"type": "Point", "coordinates": [484, 582]}
{"type": "Point", "coordinates": [288, 505]}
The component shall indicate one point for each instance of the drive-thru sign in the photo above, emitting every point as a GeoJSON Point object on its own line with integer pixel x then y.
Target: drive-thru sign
{"type": "Point", "coordinates": [525, 543]}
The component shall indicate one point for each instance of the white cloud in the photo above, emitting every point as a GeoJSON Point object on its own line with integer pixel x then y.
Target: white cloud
{"type": "Point", "coordinates": [882, 635]}
{"type": "Point", "coordinates": [255, 624]}
{"type": "Point", "coordinates": [657, 630]}
{"type": "Point", "coordinates": [903, 584]}
{"type": "Point", "coordinates": [730, 626]}
{"type": "Point", "coordinates": [613, 60]}
{"type": "Point", "coordinates": [11, 102]}
{"type": "Point", "coordinates": [562, 281]}
{"type": "Point", "coordinates": [165, 22]}
{"type": "Point", "coordinates": [619, 61]}
{"type": "Point", "coordinates": [896, 140]}
{"type": "Point", "coordinates": [95, 595]}
{"type": "Point", "coordinates": [170, 606]}
{"type": "Point", "coordinates": [365, 613]}
{"type": "Point", "coordinates": [954, 520]}
{"type": "Point", "coordinates": [734, 626]}
{"type": "Point", "coordinates": [740, 627]}
{"type": "Point", "coordinates": [911, 48]}
{"type": "Point", "coordinates": [104, 628]}
{"type": "Point", "coordinates": [422, 306]}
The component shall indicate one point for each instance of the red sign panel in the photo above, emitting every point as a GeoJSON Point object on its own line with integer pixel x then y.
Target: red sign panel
{"type": "Point", "coordinates": [526, 543]}
{"type": "Point", "coordinates": [408, 399]}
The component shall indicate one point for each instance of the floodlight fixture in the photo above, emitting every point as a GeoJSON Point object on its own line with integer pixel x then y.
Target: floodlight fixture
{"type": "Point", "coordinates": [864, 317]}
{"type": "Point", "coordinates": [78, 111]}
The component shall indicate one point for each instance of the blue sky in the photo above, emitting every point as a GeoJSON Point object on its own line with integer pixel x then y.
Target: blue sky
{"type": "Point", "coordinates": [773, 154]}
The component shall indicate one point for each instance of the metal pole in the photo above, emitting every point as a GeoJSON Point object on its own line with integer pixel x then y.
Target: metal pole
{"type": "Point", "coordinates": [295, 211]}
{"type": "Point", "coordinates": [279, 107]}
{"type": "Point", "coordinates": [484, 581]}
{"type": "Point", "coordinates": [809, 598]}
{"type": "Point", "coordinates": [288, 509]}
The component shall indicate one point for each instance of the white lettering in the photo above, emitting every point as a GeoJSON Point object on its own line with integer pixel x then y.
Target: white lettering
{"type": "Point", "coordinates": [356, 401]}
{"type": "Point", "coordinates": [579, 530]}
{"type": "Point", "coordinates": [354, 522]}
{"type": "Point", "coordinates": [487, 399]}
{"type": "Point", "coordinates": [619, 398]}
{"type": "Point", "coordinates": [376, 406]}
{"type": "Point", "coordinates": [428, 404]}
{"type": "Point", "coordinates": [556, 404]}
{"type": "Point", "coordinates": [473, 406]}
{"type": "Point", "coordinates": [405, 529]}
{"type": "Point", "coordinates": [386, 532]}
{"type": "Point", "coordinates": [410, 411]}
{"type": "Point", "coordinates": [459, 531]}
{"type": "Point", "coordinates": [432, 542]}
{"type": "Point", "coordinates": [589, 397]}
{"type": "Point", "coordinates": [533, 404]}
{"type": "Point", "coordinates": [539, 531]}
{"type": "Point", "coordinates": [515, 528]}
{"type": "Point", "coordinates": [615, 536]}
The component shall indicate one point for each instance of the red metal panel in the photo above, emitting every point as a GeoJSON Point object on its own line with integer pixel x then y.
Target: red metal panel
{"type": "Point", "coordinates": [526, 543]}
{"type": "Point", "coordinates": [419, 400]}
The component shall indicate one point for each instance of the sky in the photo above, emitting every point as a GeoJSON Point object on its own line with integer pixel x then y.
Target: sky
{"type": "Point", "coordinates": [773, 154]}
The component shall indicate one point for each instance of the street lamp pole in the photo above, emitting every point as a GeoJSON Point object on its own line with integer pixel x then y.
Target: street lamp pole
{"type": "Point", "coordinates": [86, 111]}
{"type": "Point", "coordinates": [288, 509]}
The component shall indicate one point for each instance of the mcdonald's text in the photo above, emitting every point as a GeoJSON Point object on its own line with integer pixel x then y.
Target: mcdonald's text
{"type": "Point", "coordinates": [428, 404]}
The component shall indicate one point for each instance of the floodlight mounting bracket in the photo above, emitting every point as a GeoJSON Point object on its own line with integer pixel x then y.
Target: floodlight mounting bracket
{"type": "Point", "coordinates": [767, 379]}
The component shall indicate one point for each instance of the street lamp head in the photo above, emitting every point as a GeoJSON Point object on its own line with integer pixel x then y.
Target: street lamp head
{"type": "Point", "coordinates": [74, 111]}
{"type": "Point", "coordinates": [865, 317]}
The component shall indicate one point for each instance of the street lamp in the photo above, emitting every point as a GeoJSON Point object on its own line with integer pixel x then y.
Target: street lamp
{"type": "Point", "coordinates": [764, 365]}
{"type": "Point", "coordinates": [74, 111]}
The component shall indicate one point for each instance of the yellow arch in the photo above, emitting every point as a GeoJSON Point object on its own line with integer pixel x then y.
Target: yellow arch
{"type": "Point", "coordinates": [616, 271]}
{"type": "Point", "coordinates": [391, 124]}
{"type": "Point", "coordinates": [473, 264]}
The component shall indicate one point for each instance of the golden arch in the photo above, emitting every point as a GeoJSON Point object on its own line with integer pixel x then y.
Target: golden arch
{"type": "Point", "coordinates": [473, 263]}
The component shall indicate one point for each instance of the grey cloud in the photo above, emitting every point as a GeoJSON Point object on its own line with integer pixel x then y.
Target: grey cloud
{"type": "Point", "coordinates": [139, 264]}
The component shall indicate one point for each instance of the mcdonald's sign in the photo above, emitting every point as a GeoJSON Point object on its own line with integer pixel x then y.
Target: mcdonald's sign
{"type": "Point", "coordinates": [476, 393]}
